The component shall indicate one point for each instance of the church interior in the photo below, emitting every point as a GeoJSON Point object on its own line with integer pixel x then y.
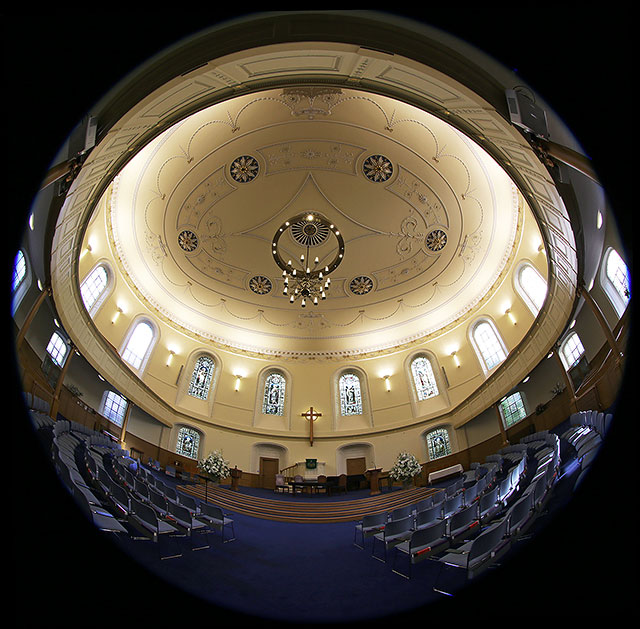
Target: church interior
{"type": "Point", "coordinates": [306, 247]}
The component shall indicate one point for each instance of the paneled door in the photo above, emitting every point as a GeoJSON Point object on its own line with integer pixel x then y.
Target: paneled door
{"type": "Point", "coordinates": [268, 469]}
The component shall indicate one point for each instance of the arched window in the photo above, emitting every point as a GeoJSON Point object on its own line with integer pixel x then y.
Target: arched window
{"type": "Point", "coordinates": [350, 394]}
{"type": "Point", "coordinates": [438, 443]}
{"type": "Point", "coordinates": [423, 378]}
{"type": "Point", "coordinates": [512, 409]}
{"type": "Point", "coordinates": [139, 344]}
{"type": "Point", "coordinates": [488, 345]}
{"type": "Point", "coordinates": [274, 393]}
{"type": "Point", "coordinates": [531, 286]}
{"type": "Point", "coordinates": [93, 287]}
{"type": "Point", "coordinates": [114, 407]}
{"type": "Point", "coordinates": [21, 279]}
{"type": "Point", "coordinates": [201, 377]}
{"type": "Point", "coordinates": [188, 442]}
{"type": "Point", "coordinates": [616, 281]}
{"type": "Point", "coordinates": [571, 350]}
{"type": "Point", "coordinates": [19, 270]}
{"type": "Point", "coordinates": [57, 349]}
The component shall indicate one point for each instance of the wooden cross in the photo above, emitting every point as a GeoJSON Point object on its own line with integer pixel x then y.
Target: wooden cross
{"type": "Point", "coordinates": [311, 416]}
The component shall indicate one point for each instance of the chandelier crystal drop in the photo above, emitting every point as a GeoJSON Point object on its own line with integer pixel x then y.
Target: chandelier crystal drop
{"type": "Point", "coordinates": [306, 280]}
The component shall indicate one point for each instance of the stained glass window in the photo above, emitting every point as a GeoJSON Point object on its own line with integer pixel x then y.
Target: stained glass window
{"type": "Point", "coordinates": [188, 442]}
{"type": "Point", "coordinates": [532, 287]}
{"type": "Point", "coordinates": [114, 407]}
{"type": "Point", "coordinates": [57, 349]}
{"type": "Point", "coordinates": [274, 392]}
{"type": "Point", "coordinates": [572, 350]}
{"type": "Point", "coordinates": [138, 344]}
{"type": "Point", "coordinates": [438, 443]}
{"type": "Point", "coordinates": [488, 344]}
{"type": "Point", "coordinates": [350, 396]}
{"type": "Point", "coordinates": [512, 409]}
{"type": "Point", "coordinates": [423, 378]}
{"type": "Point", "coordinates": [201, 377]}
{"type": "Point", "coordinates": [93, 286]}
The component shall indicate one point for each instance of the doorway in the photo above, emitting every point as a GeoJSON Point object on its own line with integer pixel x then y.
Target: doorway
{"type": "Point", "coordinates": [268, 469]}
{"type": "Point", "coordinates": [356, 465]}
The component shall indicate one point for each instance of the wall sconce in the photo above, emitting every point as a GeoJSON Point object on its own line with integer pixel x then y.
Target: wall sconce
{"type": "Point", "coordinates": [387, 382]}
{"type": "Point", "coordinates": [117, 314]}
{"type": "Point", "coordinates": [238, 378]}
{"type": "Point", "coordinates": [170, 358]}
{"type": "Point", "coordinates": [510, 315]}
{"type": "Point", "coordinates": [85, 251]}
{"type": "Point", "coordinates": [456, 360]}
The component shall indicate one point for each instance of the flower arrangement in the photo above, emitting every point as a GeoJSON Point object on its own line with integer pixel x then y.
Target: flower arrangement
{"type": "Point", "coordinates": [215, 465]}
{"type": "Point", "coordinates": [405, 467]}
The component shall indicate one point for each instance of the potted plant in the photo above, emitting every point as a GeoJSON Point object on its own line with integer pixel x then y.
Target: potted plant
{"type": "Point", "coordinates": [405, 468]}
{"type": "Point", "coordinates": [214, 466]}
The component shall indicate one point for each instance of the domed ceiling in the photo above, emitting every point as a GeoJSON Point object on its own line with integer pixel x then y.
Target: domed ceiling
{"type": "Point", "coordinates": [430, 222]}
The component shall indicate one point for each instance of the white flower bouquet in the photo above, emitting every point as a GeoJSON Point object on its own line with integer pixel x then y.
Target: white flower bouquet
{"type": "Point", "coordinates": [405, 467]}
{"type": "Point", "coordinates": [215, 465]}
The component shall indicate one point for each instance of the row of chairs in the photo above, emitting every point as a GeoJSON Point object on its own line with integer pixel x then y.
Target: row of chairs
{"type": "Point", "coordinates": [585, 434]}
{"type": "Point", "coordinates": [444, 519]}
{"type": "Point", "coordinates": [156, 504]}
{"type": "Point", "coordinates": [511, 525]}
{"type": "Point", "coordinates": [487, 522]}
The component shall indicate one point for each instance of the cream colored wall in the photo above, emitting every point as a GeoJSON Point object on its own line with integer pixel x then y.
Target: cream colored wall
{"type": "Point", "coordinates": [228, 419]}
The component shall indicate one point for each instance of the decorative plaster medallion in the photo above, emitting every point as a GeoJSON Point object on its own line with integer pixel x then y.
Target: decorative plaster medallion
{"type": "Point", "coordinates": [309, 233]}
{"type": "Point", "coordinates": [377, 168]}
{"type": "Point", "coordinates": [361, 285]}
{"type": "Point", "coordinates": [244, 169]}
{"type": "Point", "coordinates": [188, 240]}
{"type": "Point", "coordinates": [260, 284]}
{"type": "Point", "coordinates": [435, 240]}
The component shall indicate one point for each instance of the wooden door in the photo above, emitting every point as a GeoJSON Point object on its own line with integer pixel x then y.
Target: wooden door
{"type": "Point", "coordinates": [268, 469]}
{"type": "Point", "coordinates": [356, 466]}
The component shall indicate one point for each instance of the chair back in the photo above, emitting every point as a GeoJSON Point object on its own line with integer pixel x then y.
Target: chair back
{"type": "Point", "coordinates": [429, 534]}
{"type": "Point", "coordinates": [374, 519]}
{"type": "Point", "coordinates": [280, 480]}
{"type": "Point", "coordinates": [400, 513]}
{"type": "Point", "coordinates": [395, 527]}
{"type": "Point", "coordinates": [144, 512]}
{"type": "Point", "coordinates": [428, 516]}
{"type": "Point", "coordinates": [212, 511]}
{"type": "Point", "coordinates": [487, 541]}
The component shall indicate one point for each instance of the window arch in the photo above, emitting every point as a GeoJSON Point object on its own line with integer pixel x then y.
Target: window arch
{"type": "Point", "coordinates": [488, 344]}
{"type": "Point", "coordinates": [350, 390]}
{"type": "Point", "coordinates": [531, 287]}
{"type": "Point", "coordinates": [201, 377]}
{"type": "Point", "coordinates": [571, 350]}
{"type": "Point", "coordinates": [188, 442]}
{"type": "Point", "coordinates": [424, 380]}
{"type": "Point", "coordinates": [139, 343]}
{"type": "Point", "coordinates": [57, 349]}
{"type": "Point", "coordinates": [275, 388]}
{"type": "Point", "coordinates": [95, 287]}
{"type": "Point", "coordinates": [438, 443]}
{"type": "Point", "coordinates": [114, 407]}
{"type": "Point", "coordinates": [616, 280]}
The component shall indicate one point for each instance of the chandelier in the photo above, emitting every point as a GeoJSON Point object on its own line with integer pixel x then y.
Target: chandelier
{"type": "Point", "coordinates": [306, 280]}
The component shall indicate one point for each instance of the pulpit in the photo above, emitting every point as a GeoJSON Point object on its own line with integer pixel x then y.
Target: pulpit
{"type": "Point", "coordinates": [374, 480]}
{"type": "Point", "coordinates": [235, 478]}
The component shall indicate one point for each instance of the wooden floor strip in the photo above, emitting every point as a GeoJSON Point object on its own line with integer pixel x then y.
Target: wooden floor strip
{"type": "Point", "coordinates": [303, 509]}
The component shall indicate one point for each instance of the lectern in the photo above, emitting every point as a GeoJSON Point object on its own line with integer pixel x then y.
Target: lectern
{"type": "Point", "coordinates": [235, 478]}
{"type": "Point", "coordinates": [374, 480]}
